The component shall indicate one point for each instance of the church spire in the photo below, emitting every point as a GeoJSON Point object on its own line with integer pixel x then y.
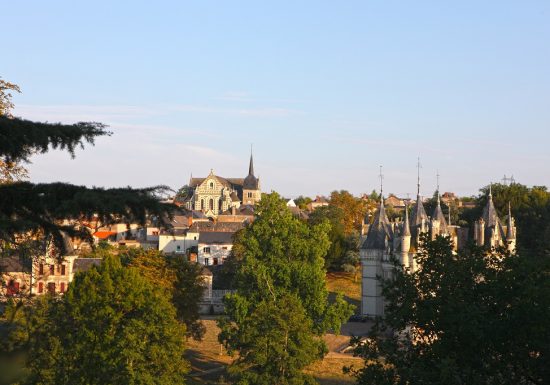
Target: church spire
{"type": "Point", "coordinates": [251, 165]}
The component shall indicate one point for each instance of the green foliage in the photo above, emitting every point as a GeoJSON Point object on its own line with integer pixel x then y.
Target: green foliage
{"type": "Point", "coordinates": [302, 202]}
{"type": "Point", "coordinates": [29, 208]}
{"type": "Point", "coordinates": [20, 139]}
{"type": "Point", "coordinates": [274, 344]}
{"type": "Point", "coordinates": [475, 317]}
{"type": "Point", "coordinates": [184, 193]}
{"type": "Point", "coordinates": [180, 280]}
{"type": "Point", "coordinates": [280, 281]}
{"type": "Point", "coordinates": [111, 327]}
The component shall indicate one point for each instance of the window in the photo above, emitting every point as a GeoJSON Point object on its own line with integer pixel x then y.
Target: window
{"type": "Point", "coordinates": [52, 269]}
{"type": "Point", "coordinates": [51, 287]}
{"type": "Point", "coordinates": [206, 261]}
{"type": "Point", "coordinates": [215, 261]}
{"type": "Point", "coordinates": [194, 238]}
{"type": "Point", "coordinates": [211, 204]}
{"type": "Point", "coordinates": [211, 184]}
{"type": "Point", "coordinates": [249, 194]}
{"type": "Point", "coordinates": [224, 248]}
{"type": "Point", "coordinates": [40, 287]}
{"type": "Point", "coordinates": [178, 247]}
{"type": "Point", "coordinates": [155, 233]}
{"type": "Point", "coordinates": [41, 269]}
{"type": "Point", "coordinates": [63, 272]}
{"type": "Point", "coordinates": [202, 204]}
{"type": "Point", "coordinates": [62, 287]}
{"type": "Point", "coordinates": [13, 287]}
{"type": "Point", "coordinates": [206, 250]}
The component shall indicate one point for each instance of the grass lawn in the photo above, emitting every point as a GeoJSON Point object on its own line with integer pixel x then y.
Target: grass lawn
{"type": "Point", "coordinates": [341, 282]}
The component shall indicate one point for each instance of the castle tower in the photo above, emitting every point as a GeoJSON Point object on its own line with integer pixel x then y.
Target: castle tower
{"type": "Point", "coordinates": [375, 253]}
{"type": "Point", "coordinates": [251, 185]}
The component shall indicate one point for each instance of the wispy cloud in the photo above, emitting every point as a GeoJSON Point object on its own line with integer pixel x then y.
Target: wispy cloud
{"type": "Point", "coordinates": [125, 113]}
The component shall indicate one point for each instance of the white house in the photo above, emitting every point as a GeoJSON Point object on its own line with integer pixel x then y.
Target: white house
{"type": "Point", "coordinates": [214, 247]}
{"type": "Point", "coordinates": [177, 241]}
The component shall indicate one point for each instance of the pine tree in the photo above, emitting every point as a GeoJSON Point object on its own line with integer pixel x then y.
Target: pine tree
{"type": "Point", "coordinates": [52, 210]}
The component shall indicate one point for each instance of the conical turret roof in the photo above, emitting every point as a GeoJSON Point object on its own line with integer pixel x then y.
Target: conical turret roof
{"type": "Point", "coordinates": [418, 213]}
{"type": "Point", "coordinates": [438, 215]}
{"type": "Point", "coordinates": [489, 212]}
{"type": "Point", "coordinates": [380, 232]}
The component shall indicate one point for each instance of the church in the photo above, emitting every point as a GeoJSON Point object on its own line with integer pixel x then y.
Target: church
{"type": "Point", "coordinates": [387, 241]}
{"type": "Point", "coordinates": [214, 195]}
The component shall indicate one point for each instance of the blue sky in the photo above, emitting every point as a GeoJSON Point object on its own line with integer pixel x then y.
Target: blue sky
{"type": "Point", "coordinates": [326, 90]}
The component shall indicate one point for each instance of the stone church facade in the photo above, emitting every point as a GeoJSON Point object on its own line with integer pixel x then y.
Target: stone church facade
{"type": "Point", "coordinates": [215, 195]}
{"type": "Point", "coordinates": [387, 241]}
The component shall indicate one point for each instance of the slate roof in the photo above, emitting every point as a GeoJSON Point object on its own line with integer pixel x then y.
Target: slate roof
{"type": "Point", "coordinates": [438, 214]}
{"type": "Point", "coordinates": [216, 237]}
{"type": "Point", "coordinates": [418, 213]}
{"type": "Point", "coordinates": [250, 182]}
{"type": "Point", "coordinates": [85, 264]}
{"type": "Point", "coordinates": [229, 227]}
{"type": "Point", "coordinates": [13, 265]}
{"type": "Point", "coordinates": [380, 232]}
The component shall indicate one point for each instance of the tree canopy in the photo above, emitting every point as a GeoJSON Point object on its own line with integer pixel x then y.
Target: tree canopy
{"type": "Point", "coordinates": [280, 282]}
{"type": "Point", "coordinates": [111, 327]}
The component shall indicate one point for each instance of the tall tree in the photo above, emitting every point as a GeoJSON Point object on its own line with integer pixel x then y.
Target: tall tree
{"type": "Point", "coordinates": [354, 209]}
{"type": "Point", "coordinates": [281, 271]}
{"type": "Point", "coordinates": [111, 327]}
{"type": "Point", "coordinates": [53, 210]}
{"type": "Point", "coordinates": [475, 317]}
{"type": "Point", "coordinates": [180, 279]}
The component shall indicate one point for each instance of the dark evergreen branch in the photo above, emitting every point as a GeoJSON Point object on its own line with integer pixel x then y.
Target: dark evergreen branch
{"type": "Point", "coordinates": [20, 139]}
{"type": "Point", "coordinates": [27, 207]}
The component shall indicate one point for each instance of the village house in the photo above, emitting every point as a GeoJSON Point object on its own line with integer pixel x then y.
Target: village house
{"type": "Point", "coordinates": [214, 247]}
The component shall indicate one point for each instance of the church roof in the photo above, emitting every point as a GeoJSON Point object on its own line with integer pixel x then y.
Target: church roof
{"type": "Point", "coordinates": [228, 182]}
{"type": "Point", "coordinates": [380, 232]}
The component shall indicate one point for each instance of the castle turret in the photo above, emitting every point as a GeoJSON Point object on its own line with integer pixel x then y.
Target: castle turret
{"type": "Point", "coordinates": [438, 224]}
{"type": "Point", "coordinates": [406, 241]}
{"type": "Point", "coordinates": [510, 231]}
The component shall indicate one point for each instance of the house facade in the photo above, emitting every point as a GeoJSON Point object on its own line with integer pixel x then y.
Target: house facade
{"type": "Point", "coordinates": [214, 247]}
